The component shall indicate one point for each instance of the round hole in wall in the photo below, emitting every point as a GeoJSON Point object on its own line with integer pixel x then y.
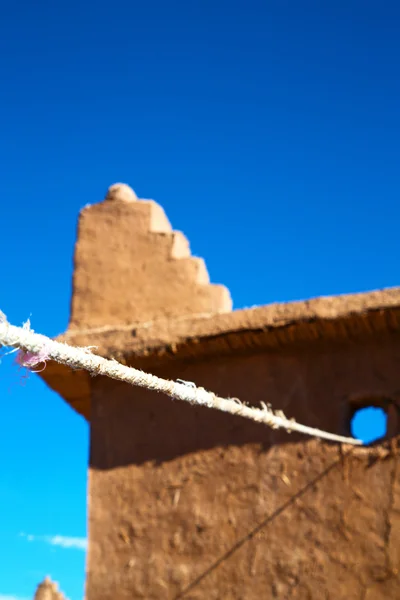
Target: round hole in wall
{"type": "Point", "coordinates": [369, 424]}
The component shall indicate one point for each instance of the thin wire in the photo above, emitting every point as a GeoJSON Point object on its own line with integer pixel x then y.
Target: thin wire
{"type": "Point", "coordinates": [269, 519]}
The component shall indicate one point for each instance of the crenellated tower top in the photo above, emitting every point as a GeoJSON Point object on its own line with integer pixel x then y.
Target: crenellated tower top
{"type": "Point", "coordinates": [130, 266]}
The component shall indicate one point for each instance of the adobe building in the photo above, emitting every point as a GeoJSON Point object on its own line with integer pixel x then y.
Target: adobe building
{"type": "Point", "coordinates": [187, 502]}
{"type": "Point", "coordinates": [48, 590]}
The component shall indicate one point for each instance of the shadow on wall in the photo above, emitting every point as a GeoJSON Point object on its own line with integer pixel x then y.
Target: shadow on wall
{"type": "Point", "coordinates": [160, 429]}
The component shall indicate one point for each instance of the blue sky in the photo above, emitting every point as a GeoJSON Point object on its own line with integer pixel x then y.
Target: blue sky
{"type": "Point", "coordinates": [268, 130]}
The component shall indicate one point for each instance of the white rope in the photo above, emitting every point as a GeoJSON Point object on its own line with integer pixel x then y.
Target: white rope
{"type": "Point", "coordinates": [36, 349]}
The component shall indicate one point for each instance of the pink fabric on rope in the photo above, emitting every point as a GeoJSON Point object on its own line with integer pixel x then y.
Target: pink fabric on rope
{"type": "Point", "coordinates": [31, 360]}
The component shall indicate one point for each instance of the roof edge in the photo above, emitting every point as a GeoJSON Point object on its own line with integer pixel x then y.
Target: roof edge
{"type": "Point", "coordinates": [275, 327]}
{"type": "Point", "coordinates": [144, 338]}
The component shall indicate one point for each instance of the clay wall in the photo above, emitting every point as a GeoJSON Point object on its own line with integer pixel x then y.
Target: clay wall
{"type": "Point", "coordinates": [186, 502]}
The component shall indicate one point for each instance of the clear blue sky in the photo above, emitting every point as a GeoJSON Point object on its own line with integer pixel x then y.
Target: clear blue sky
{"type": "Point", "coordinates": [269, 131]}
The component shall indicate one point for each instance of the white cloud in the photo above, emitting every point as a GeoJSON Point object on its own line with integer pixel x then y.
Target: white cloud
{"type": "Point", "coordinates": [11, 597]}
{"type": "Point", "coordinates": [62, 541]}
{"type": "Point", "coordinates": [67, 542]}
